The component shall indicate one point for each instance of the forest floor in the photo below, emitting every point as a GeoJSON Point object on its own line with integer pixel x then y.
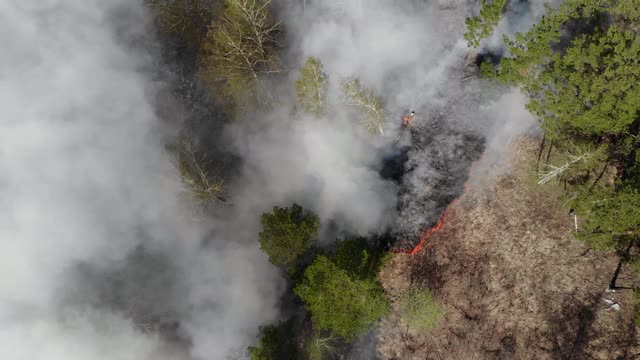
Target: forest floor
{"type": "Point", "coordinates": [513, 281]}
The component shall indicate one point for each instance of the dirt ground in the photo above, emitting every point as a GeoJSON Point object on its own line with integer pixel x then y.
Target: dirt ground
{"type": "Point", "coordinates": [513, 281]}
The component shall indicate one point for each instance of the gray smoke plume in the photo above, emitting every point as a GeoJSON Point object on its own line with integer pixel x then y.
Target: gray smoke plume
{"type": "Point", "coordinates": [412, 53]}
{"type": "Point", "coordinates": [102, 257]}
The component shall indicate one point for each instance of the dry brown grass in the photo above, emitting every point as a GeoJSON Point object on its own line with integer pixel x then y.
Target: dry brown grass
{"type": "Point", "coordinates": [513, 281]}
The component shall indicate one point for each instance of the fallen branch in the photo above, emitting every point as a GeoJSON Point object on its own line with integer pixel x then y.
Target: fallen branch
{"type": "Point", "coordinates": [556, 171]}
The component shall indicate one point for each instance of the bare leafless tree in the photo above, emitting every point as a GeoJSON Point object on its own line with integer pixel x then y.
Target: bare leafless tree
{"type": "Point", "coordinates": [192, 169]}
{"type": "Point", "coordinates": [367, 104]}
{"type": "Point", "coordinates": [239, 50]}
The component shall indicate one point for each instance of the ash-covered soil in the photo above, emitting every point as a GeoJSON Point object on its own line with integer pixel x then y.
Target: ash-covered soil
{"type": "Point", "coordinates": [513, 281]}
{"type": "Point", "coordinates": [434, 174]}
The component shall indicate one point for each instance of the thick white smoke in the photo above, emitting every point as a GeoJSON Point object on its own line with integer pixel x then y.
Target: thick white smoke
{"type": "Point", "coordinates": [400, 50]}
{"type": "Point", "coordinates": [99, 244]}
{"type": "Point", "coordinates": [412, 53]}
{"type": "Point", "coordinates": [85, 180]}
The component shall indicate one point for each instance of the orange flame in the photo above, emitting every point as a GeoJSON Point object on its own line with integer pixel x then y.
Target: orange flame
{"type": "Point", "coordinates": [427, 234]}
{"type": "Point", "coordinates": [442, 218]}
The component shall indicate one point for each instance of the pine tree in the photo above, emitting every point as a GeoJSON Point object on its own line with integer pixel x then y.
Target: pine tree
{"type": "Point", "coordinates": [583, 86]}
{"type": "Point", "coordinates": [483, 25]}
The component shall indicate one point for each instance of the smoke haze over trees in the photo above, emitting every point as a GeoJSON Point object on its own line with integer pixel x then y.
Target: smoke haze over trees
{"type": "Point", "coordinates": [112, 111]}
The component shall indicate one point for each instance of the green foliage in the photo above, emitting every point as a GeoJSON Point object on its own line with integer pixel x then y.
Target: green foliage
{"type": "Point", "coordinates": [311, 87]}
{"type": "Point", "coordinates": [419, 310]}
{"type": "Point", "coordinates": [593, 87]}
{"type": "Point", "coordinates": [632, 171]}
{"type": "Point", "coordinates": [483, 25]}
{"type": "Point", "coordinates": [610, 215]}
{"type": "Point", "coordinates": [627, 13]}
{"type": "Point", "coordinates": [580, 66]}
{"type": "Point", "coordinates": [239, 51]}
{"type": "Point", "coordinates": [342, 291]}
{"type": "Point", "coordinates": [585, 87]}
{"type": "Point", "coordinates": [340, 302]}
{"type": "Point", "coordinates": [286, 234]}
{"type": "Point", "coordinates": [370, 109]}
{"type": "Point", "coordinates": [358, 259]}
{"type": "Point", "coordinates": [275, 343]}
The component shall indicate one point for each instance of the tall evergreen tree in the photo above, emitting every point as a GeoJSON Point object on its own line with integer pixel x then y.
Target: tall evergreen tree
{"type": "Point", "coordinates": [580, 67]}
{"type": "Point", "coordinates": [483, 25]}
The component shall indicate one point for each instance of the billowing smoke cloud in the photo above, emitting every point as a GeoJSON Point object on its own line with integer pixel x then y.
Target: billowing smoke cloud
{"type": "Point", "coordinates": [404, 53]}
{"type": "Point", "coordinates": [99, 249]}
{"type": "Point", "coordinates": [412, 53]}
{"type": "Point", "coordinates": [102, 258]}
{"type": "Point", "coordinates": [327, 166]}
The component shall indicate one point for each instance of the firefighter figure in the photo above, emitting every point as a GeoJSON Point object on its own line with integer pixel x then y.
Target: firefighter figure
{"type": "Point", "coordinates": [407, 120]}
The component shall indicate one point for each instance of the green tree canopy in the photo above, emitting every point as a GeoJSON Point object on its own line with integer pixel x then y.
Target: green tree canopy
{"type": "Point", "coordinates": [611, 215]}
{"type": "Point", "coordinates": [311, 87]}
{"type": "Point", "coordinates": [585, 86]}
{"type": "Point", "coordinates": [338, 302]}
{"type": "Point", "coordinates": [275, 343]}
{"type": "Point", "coordinates": [239, 50]}
{"type": "Point", "coordinates": [369, 108]}
{"type": "Point", "coordinates": [342, 291]}
{"type": "Point", "coordinates": [358, 259]}
{"type": "Point", "coordinates": [287, 233]}
{"type": "Point", "coordinates": [483, 25]}
{"type": "Point", "coordinates": [580, 68]}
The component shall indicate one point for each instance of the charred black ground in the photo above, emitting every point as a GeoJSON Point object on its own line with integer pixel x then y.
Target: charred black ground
{"type": "Point", "coordinates": [434, 169]}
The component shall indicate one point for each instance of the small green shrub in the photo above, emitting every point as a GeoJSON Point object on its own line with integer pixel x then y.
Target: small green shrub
{"type": "Point", "coordinates": [419, 310]}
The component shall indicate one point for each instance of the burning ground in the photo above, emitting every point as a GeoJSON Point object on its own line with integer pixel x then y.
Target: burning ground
{"type": "Point", "coordinates": [513, 281]}
{"type": "Point", "coordinates": [435, 171]}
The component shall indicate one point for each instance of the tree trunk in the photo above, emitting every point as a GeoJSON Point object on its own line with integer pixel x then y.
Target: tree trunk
{"type": "Point", "coordinates": [544, 139]}
{"type": "Point", "coordinates": [549, 152]}
{"type": "Point", "coordinates": [599, 176]}
{"type": "Point", "coordinates": [612, 284]}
